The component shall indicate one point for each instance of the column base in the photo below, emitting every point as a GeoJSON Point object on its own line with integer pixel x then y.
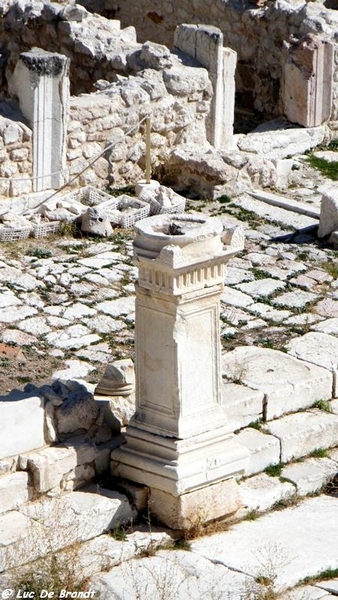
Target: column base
{"type": "Point", "coordinates": [179, 466]}
{"type": "Point", "coordinates": [193, 509]}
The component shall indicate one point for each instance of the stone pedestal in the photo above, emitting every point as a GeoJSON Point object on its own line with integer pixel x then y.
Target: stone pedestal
{"type": "Point", "coordinates": [178, 441]}
{"type": "Point", "coordinates": [41, 83]}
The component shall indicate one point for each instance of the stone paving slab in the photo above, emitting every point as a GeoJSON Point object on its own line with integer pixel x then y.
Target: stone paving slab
{"type": "Point", "coordinates": [320, 349]}
{"type": "Point", "coordinates": [310, 475]}
{"type": "Point", "coordinates": [173, 575]}
{"type": "Point", "coordinates": [261, 492]}
{"type": "Point", "coordinates": [278, 541]}
{"type": "Point", "coordinates": [302, 433]}
{"type": "Point", "coordinates": [288, 384]}
{"type": "Point", "coordinates": [264, 450]}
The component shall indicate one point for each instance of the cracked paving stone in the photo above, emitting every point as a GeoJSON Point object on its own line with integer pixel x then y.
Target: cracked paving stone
{"type": "Point", "coordinates": [75, 336]}
{"type": "Point", "coordinates": [327, 308]}
{"type": "Point", "coordinates": [103, 324]}
{"type": "Point", "coordinates": [235, 297]}
{"type": "Point", "coordinates": [19, 338]}
{"type": "Point", "coordinates": [18, 313]}
{"type": "Point", "coordinates": [77, 311]}
{"type": "Point", "coordinates": [119, 307]}
{"type": "Point", "coordinates": [268, 312]}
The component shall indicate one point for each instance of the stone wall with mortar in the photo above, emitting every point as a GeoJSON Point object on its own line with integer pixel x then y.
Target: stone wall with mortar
{"type": "Point", "coordinates": [256, 33]}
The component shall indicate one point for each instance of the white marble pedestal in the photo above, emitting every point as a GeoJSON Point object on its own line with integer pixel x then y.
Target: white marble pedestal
{"type": "Point", "coordinates": [178, 443]}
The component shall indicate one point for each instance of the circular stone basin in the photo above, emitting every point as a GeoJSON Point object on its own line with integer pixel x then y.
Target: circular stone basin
{"type": "Point", "coordinates": [197, 232]}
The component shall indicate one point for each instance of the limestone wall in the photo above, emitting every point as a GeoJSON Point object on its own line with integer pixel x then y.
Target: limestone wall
{"type": "Point", "coordinates": [256, 33]}
{"type": "Point", "coordinates": [15, 157]}
{"type": "Point", "coordinates": [177, 100]}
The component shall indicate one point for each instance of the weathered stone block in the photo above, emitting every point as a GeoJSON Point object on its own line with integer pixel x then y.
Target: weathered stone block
{"type": "Point", "coordinates": [264, 450]}
{"type": "Point", "coordinates": [22, 421]}
{"type": "Point", "coordinates": [14, 491]}
{"type": "Point", "coordinates": [197, 507]}
{"type": "Point", "coordinates": [308, 76]}
{"type": "Point", "coordinates": [304, 432]}
{"type": "Point", "coordinates": [328, 220]}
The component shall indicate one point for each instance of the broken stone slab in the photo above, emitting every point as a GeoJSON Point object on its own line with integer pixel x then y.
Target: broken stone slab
{"type": "Point", "coordinates": [242, 405]}
{"type": "Point", "coordinates": [49, 466]}
{"type": "Point", "coordinates": [328, 211]}
{"type": "Point", "coordinates": [264, 449]}
{"type": "Point", "coordinates": [310, 475]}
{"type": "Point", "coordinates": [21, 541]}
{"type": "Point", "coordinates": [75, 369]}
{"type": "Point", "coordinates": [288, 384]}
{"type": "Point", "coordinates": [14, 491]}
{"type": "Point", "coordinates": [278, 539]}
{"type": "Point", "coordinates": [274, 213]}
{"type": "Point", "coordinates": [261, 492]}
{"type": "Point", "coordinates": [282, 142]}
{"type": "Point", "coordinates": [304, 432]}
{"type": "Point", "coordinates": [170, 574]}
{"type": "Point", "coordinates": [286, 203]}
{"type": "Point", "coordinates": [104, 552]}
{"type": "Point", "coordinates": [22, 420]}
{"type": "Point", "coordinates": [96, 222]}
{"type": "Point", "coordinates": [118, 379]}
{"type": "Point", "coordinates": [320, 349]}
{"type": "Point", "coordinates": [53, 524]}
{"type": "Point", "coordinates": [78, 411]}
{"type": "Point", "coordinates": [235, 297]}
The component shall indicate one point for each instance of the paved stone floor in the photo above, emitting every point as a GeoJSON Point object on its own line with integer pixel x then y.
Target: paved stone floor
{"type": "Point", "coordinates": [67, 308]}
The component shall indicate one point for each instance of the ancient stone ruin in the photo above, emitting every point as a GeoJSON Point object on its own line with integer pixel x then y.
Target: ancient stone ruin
{"type": "Point", "coordinates": [207, 400]}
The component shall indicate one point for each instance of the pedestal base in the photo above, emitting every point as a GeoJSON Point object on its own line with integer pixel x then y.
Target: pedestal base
{"type": "Point", "coordinates": [198, 507]}
{"type": "Point", "coordinates": [179, 466]}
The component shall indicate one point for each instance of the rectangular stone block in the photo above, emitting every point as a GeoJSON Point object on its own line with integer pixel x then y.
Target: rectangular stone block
{"type": "Point", "coordinates": [264, 450]}
{"type": "Point", "coordinates": [304, 432]}
{"type": "Point", "coordinates": [14, 491]}
{"type": "Point", "coordinates": [241, 404]}
{"type": "Point", "coordinates": [308, 81]}
{"type": "Point", "coordinates": [195, 508]}
{"type": "Point", "coordinates": [22, 424]}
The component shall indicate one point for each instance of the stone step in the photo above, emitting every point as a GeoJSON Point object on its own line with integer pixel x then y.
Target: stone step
{"type": "Point", "coordinates": [67, 466]}
{"type": "Point", "coordinates": [264, 450]}
{"type": "Point", "coordinates": [52, 524]}
{"type": "Point", "coordinates": [310, 475]}
{"type": "Point", "coordinates": [242, 404]}
{"type": "Point", "coordinates": [320, 349]}
{"type": "Point", "coordinates": [302, 433]}
{"type": "Point", "coordinates": [261, 493]}
{"type": "Point", "coordinates": [14, 491]}
{"type": "Point", "coordinates": [288, 384]}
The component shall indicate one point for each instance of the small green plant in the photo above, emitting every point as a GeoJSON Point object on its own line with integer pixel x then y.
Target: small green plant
{"type": "Point", "coordinates": [322, 575]}
{"type": "Point", "coordinates": [274, 470]}
{"type": "Point", "coordinates": [4, 362]}
{"type": "Point", "coordinates": [323, 405]}
{"type": "Point", "coordinates": [252, 515]}
{"type": "Point", "coordinates": [118, 533]}
{"type": "Point", "coordinates": [326, 168]}
{"type": "Point", "coordinates": [258, 424]}
{"type": "Point", "coordinates": [331, 268]}
{"type": "Point", "coordinates": [181, 544]}
{"type": "Point", "coordinates": [319, 453]}
{"type": "Point", "coordinates": [39, 252]}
